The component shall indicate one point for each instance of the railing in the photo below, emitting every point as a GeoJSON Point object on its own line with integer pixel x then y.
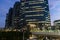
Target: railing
{"type": "Point", "coordinates": [45, 32]}
{"type": "Point", "coordinates": [38, 30]}
{"type": "Point", "coordinates": [32, 30]}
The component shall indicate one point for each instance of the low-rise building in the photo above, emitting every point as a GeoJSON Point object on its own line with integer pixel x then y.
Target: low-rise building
{"type": "Point", "coordinates": [57, 24]}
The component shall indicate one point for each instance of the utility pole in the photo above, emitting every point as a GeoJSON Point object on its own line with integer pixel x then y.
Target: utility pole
{"type": "Point", "coordinates": [23, 35]}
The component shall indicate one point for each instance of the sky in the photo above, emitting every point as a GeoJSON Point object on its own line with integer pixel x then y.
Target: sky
{"type": "Point", "coordinates": [54, 7]}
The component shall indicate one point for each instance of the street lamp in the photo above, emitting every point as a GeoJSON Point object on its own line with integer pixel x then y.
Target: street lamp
{"type": "Point", "coordinates": [23, 32]}
{"type": "Point", "coordinates": [23, 35]}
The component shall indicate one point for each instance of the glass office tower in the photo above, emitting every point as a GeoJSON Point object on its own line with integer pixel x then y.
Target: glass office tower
{"type": "Point", "coordinates": [8, 21]}
{"type": "Point", "coordinates": [36, 12]}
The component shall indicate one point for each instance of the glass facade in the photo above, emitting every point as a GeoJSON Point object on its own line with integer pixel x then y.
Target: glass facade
{"type": "Point", "coordinates": [36, 12]}
{"type": "Point", "coordinates": [9, 18]}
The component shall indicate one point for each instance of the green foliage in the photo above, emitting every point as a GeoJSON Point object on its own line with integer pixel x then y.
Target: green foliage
{"type": "Point", "coordinates": [11, 35]}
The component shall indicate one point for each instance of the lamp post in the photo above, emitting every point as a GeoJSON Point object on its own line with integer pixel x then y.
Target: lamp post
{"type": "Point", "coordinates": [24, 33]}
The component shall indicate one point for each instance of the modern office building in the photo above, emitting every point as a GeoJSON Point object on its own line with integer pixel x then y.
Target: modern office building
{"type": "Point", "coordinates": [16, 15]}
{"type": "Point", "coordinates": [32, 13]}
{"type": "Point", "coordinates": [8, 23]}
{"type": "Point", "coordinates": [57, 24]}
{"type": "Point", "coordinates": [36, 13]}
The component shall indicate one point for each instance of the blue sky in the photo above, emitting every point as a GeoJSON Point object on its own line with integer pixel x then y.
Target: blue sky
{"type": "Point", "coordinates": [54, 6]}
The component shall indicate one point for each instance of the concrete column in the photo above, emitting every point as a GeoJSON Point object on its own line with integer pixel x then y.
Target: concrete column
{"type": "Point", "coordinates": [40, 37]}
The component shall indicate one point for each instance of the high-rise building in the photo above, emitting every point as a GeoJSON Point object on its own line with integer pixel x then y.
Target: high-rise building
{"type": "Point", "coordinates": [32, 13]}
{"type": "Point", "coordinates": [16, 15]}
{"type": "Point", "coordinates": [36, 12]}
{"type": "Point", "coordinates": [9, 18]}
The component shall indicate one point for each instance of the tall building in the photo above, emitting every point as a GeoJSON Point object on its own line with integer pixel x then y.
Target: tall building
{"type": "Point", "coordinates": [9, 18]}
{"type": "Point", "coordinates": [32, 13]}
{"type": "Point", "coordinates": [16, 15]}
{"type": "Point", "coordinates": [15, 19]}
{"type": "Point", "coordinates": [36, 12]}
